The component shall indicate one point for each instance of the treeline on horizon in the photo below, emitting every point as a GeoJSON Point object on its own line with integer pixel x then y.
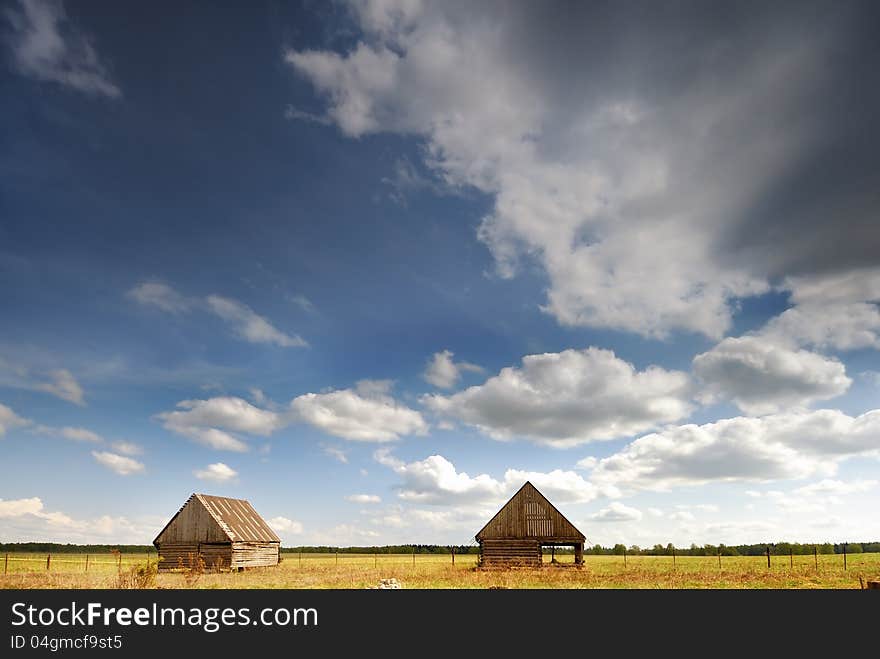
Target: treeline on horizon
{"type": "Point", "coordinates": [778, 548]}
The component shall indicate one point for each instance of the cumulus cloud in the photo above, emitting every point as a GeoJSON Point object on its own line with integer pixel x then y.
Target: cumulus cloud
{"type": "Point", "coordinates": [210, 422]}
{"type": "Point", "coordinates": [366, 413]}
{"type": "Point", "coordinates": [830, 311]}
{"type": "Point", "coordinates": [80, 435]}
{"type": "Point", "coordinates": [617, 512]}
{"type": "Point", "coordinates": [444, 373]}
{"type": "Point", "coordinates": [569, 398]}
{"type": "Point", "coordinates": [336, 453]}
{"type": "Point", "coordinates": [18, 507]}
{"type": "Point", "coordinates": [127, 448]}
{"type": "Point", "coordinates": [436, 481]}
{"type": "Point", "coordinates": [161, 296]}
{"type": "Point", "coordinates": [285, 526]}
{"type": "Point", "coordinates": [364, 498]}
{"type": "Point", "coordinates": [763, 378]}
{"type": "Point", "coordinates": [10, 420]}
{"type": "Point", "coordinates": [830, 487]}
{"type": "Point", "coordinates": [27, 520]}
{"type": "Point", "coordinates": [217, 472]}
{"type": "Point", "coordinates": [64, 386]}
{"type": "Point", "coordinates": [47, 46]}
{"type": "Point", "coordinates": [781, 446]}
{"type": "Point", "coordinates": [616, 184]}
{"type": "Point", "coordinates": [118, 463]}
{"type": "Point", "coordinates": [247, 324]}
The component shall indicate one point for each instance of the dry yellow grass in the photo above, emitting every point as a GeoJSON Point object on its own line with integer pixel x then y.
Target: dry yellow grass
{"type": "Point", "coordinates": [437, 571]}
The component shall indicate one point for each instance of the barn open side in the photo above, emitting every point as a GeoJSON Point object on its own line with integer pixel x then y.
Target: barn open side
{"type": "Point", "coordinates": [517, 532]}
{"type": "Point", "coordinates": [225, 533]}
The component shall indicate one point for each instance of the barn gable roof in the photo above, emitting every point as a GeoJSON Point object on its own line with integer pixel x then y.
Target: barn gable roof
{"type": "Point", "coordinates": [529, 514]}
{"type": "Point", "coordinates": [236, 519]}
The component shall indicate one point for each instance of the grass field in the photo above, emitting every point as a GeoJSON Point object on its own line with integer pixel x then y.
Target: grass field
{"type": "Point", "coordinates": [437, 571]}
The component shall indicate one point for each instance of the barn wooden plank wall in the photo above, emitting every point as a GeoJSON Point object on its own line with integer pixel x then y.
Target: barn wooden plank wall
{"type": "Point", "coordinates": [515, 534]}
{"type": "Point", "coordinates": [529, 514]}
{"type": "Point", "coordinates": [225, 533]}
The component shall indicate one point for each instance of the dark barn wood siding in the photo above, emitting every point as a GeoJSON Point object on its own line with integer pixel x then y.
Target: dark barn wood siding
{"type": "Point", "coordinates": [225, 533]}
{"type": "Point", "coordinates": [515, 534]}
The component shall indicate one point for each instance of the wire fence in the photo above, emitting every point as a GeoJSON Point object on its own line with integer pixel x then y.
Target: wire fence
{"type": "Point", "coordinates": [108, 563]}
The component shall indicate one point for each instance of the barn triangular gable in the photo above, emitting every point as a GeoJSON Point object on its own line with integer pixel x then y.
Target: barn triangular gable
{"type": "Point", "coordinates": [194, 522]}
{"type": "Point", "coordinates": [529, 514]}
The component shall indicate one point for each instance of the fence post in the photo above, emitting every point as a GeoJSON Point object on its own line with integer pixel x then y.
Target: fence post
{"type": "Point", "coordinates": [768, 557]}
{"type": "Point", "coordinates": [816, 557]}
{"type": "Point", "coordinates": [6, 564]}
{"type": "Point", "coordinates": [719, 559]}
{"type": "Point", "coordinates": [337, 559]}
{"type": "Point", "coordinates": [453, 555]}
{"type": "Point", "coordinates": [300, 558]}
{"type": "Point", "coordinates": [48, 561]}
{"type": "Point", "coordinates": [624, 557]}
{"type": "Point", "coordinates": [844, 555]}
{"type": "Point", "coordinates": [119, 562]}
{"type": "Point", "coordinates": [375, 560]}
{"type": "Point", "coordinates": [87, 562]}
{"type": "Point", "coordinates": [673, 557]}
{"type": "Point", "coordinates": [791, 558]}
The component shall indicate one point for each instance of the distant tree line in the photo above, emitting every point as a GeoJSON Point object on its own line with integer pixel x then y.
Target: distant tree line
{"type": "Point", "coordinates": [777, 548]}
{"type": "Point", "coordinates": [57, 548]}
{"type": "Point", "coordinates": [386, 549]}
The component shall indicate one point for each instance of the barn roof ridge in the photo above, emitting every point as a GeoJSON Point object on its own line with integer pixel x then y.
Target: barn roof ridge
{"type": "Point", "coordinates": [539, 493]}
{"type": "Point", "coordinates": [236, 518]}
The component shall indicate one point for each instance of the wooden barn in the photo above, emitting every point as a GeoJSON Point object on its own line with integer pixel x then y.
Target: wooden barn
{"type": "Point", "coordinates": [517, 534]}
{"type": "Point", "coordinates": [226, 533]}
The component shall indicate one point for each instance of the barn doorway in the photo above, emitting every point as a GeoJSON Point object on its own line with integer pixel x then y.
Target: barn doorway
{"type": "Point", "coordinates": [562, 554]}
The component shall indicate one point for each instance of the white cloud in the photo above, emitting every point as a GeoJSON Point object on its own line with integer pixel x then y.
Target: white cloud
{"type": "Point", "coordinates": [207, 421]}
{"type": "Point", "coordinates": [587, 463]}
{"type": "Point", "coordinates": [249, 325]}
{"type": "Point", "coordinates": [285, 526]}
{"type": "Point", "coordinates": [599, 181]}
{"type": "Point", "coordinates": [617, 512]}
{"type": "Point", "coordinates": [258, 396]}
{"type": "Point", "coordinates": [245, 322]}
{"type": "Point", "coordinates": [436, 481]}
{"type": "Point", "coordinates": [46, 46]}
{"type": "Point", "coordinates": [569, 398]}
{"type": "Point", "coordinates": [681, 516]}
{"type": "Point", "coordinates": [703, 507]}
{"type": "Point", "coordinates": [364, 498]}
{"type": "Point", "coordinates": [161, 296]}
{"type": "Point", "coordinates": [127, 448]}
{"type": "Point", "coordinates": [655, 512]}
{"type": "Point", "coordinates": [118, 463]}
{"type": "Point", "coordinates": [829, 487]}
{"type": "Point", "coordinates": [367, 413]}
{"type": "Point", "coordinates": [18, 507]}
{"type": "Point", "coordinates": [10, 420]}
{"type": "Point", "coordinates": [80, 435]}
{"type": "Point", "coordinates": [444, 373]}
{"type": "Point", "coordinates": [226, 412]}
{"type": "Point", "coordinates": [831, 311]}
{"type": "Point", "coordinates": [64, 386]}
{"type": "Point", "coordinates": [217, 472]}
{"type": "Point", "coordinates": [336, 453]}
{"type": "Point", "coordinates": [781, 446]}
{"type": "Point", "coordinates": [27, 520]}
{"type": "Point", "coordinates": [763, 378]}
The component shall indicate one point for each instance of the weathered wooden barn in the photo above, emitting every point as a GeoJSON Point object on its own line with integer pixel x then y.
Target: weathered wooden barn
{"type": "Point", "coordinates": [226, 533]}
{"type": "Point", "coordinates": [517, 534]}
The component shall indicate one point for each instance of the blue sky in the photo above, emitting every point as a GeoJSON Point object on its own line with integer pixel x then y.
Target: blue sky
{"type": "Point", "coordinates": [372, 265]}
